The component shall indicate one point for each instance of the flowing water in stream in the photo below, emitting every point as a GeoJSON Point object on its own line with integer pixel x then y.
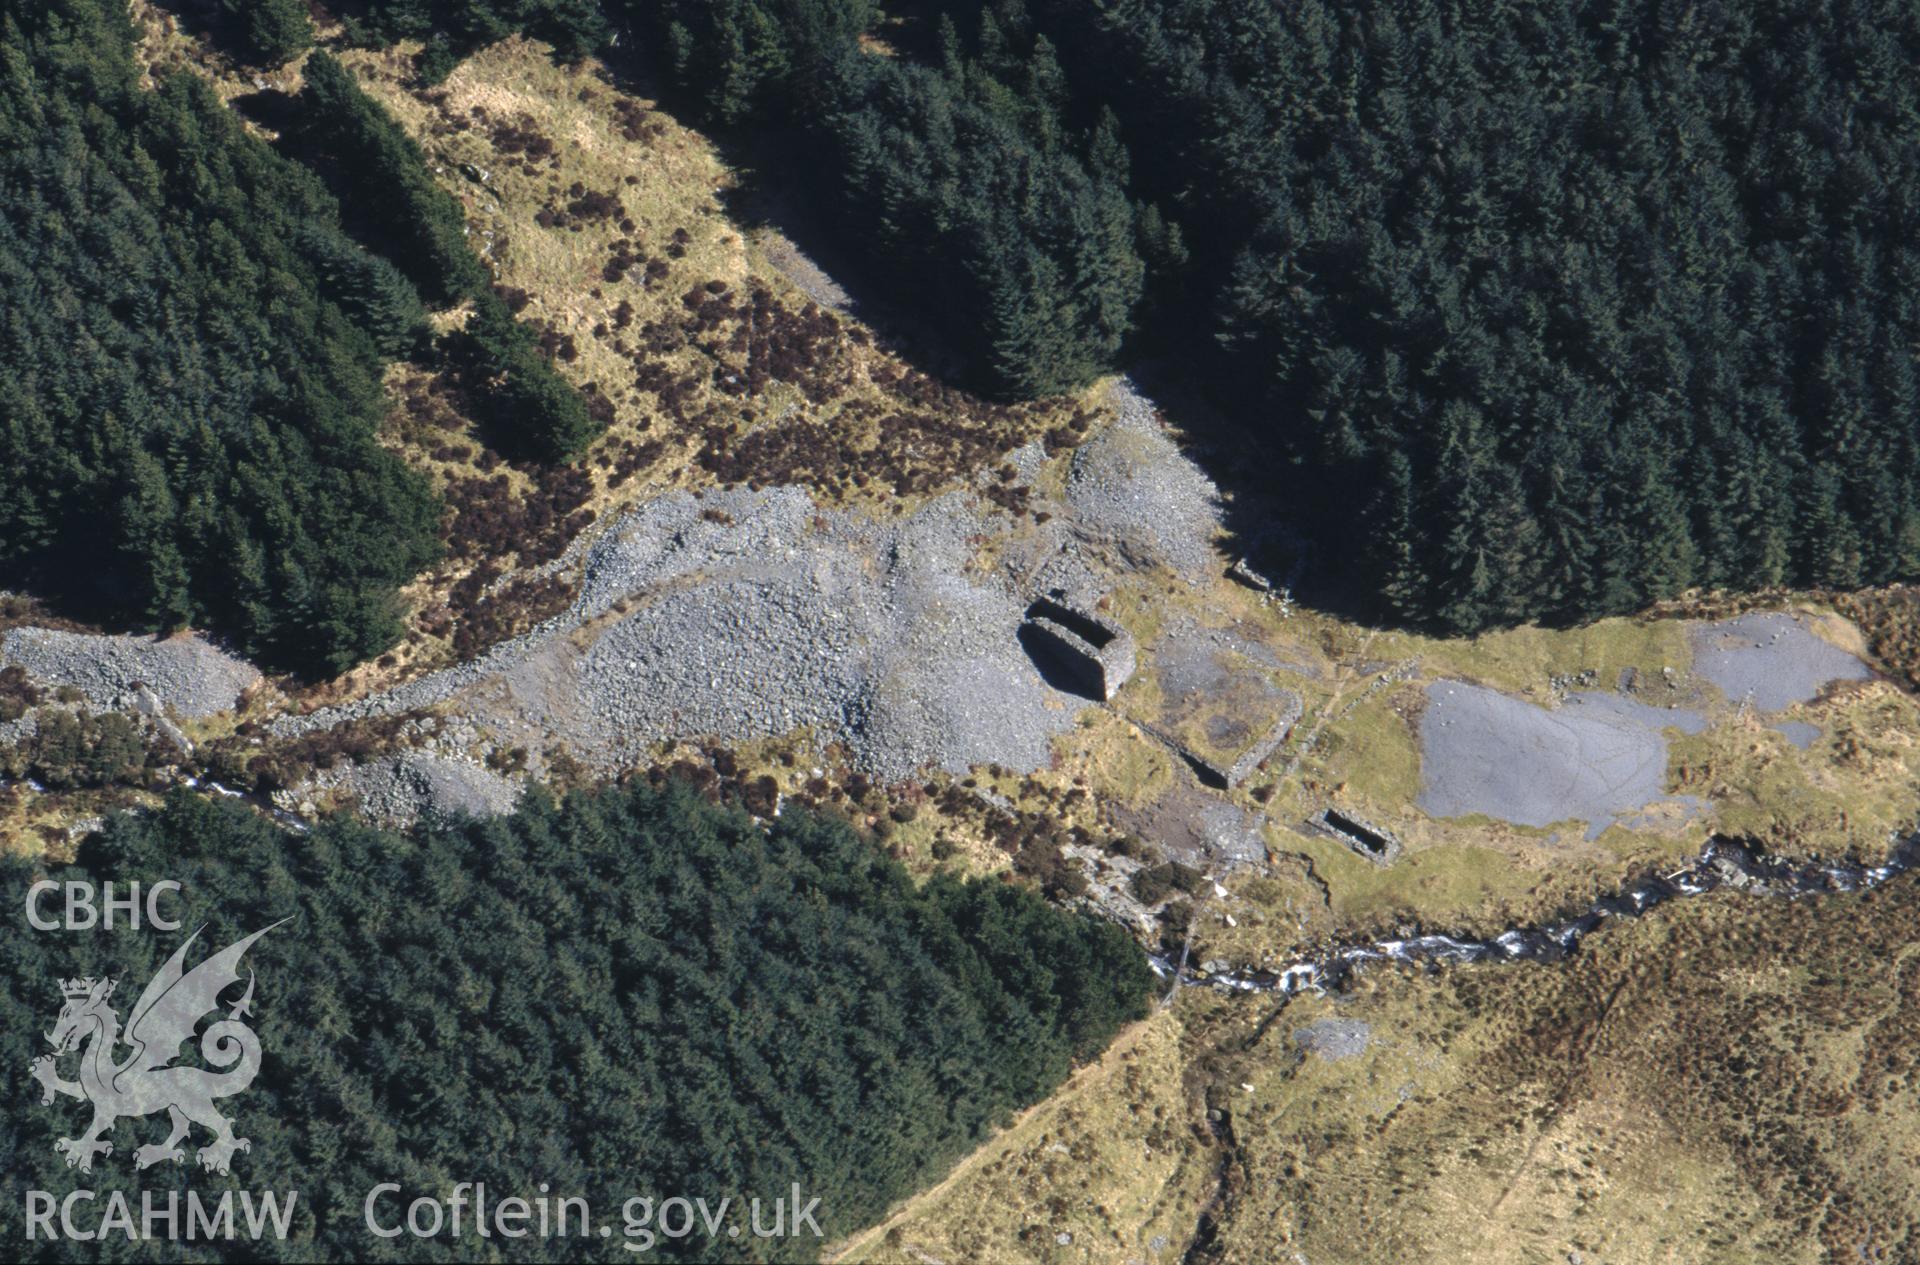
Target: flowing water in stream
{"type": "Point", "coordinates": [1724, 863]}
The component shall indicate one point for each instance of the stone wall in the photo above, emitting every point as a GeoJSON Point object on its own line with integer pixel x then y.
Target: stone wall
{"type": "Point", "coordinates": [1097, 654]}
{"type": "Point", "coordinates": [1376, 843]}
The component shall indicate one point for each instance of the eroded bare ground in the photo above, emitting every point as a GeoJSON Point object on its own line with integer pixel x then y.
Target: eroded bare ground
{"type": "Point", "coordinates": [830, 644]}
{"type": "Point", "coordinates": [792, 540]}
{"type": "Point", "coordinates": [797, 570]}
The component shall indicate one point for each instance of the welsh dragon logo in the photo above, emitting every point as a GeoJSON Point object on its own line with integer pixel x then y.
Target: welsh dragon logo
{"type": "Point", "coordinates": [166, 1015]}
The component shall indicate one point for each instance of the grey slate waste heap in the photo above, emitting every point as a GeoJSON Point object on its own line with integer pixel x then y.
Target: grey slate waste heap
{"type": "Point", "coordinates": [1095, 652]}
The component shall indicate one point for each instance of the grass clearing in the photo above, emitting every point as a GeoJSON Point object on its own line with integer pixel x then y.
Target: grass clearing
{"type": "Point", "coordinates": [1729, 1080]}
{"type": "Point", "coordinates": [1113, 1161]}
{"type": "Point", "coordinates": [1121, 764]}
{"type": "Point", "coordinates": [606, 219]}
{"type": "Point", "coordinates": [1856, 783]}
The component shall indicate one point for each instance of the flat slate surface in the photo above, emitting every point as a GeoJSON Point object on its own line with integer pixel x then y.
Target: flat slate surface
{"type": "Point", "coordinates": [1595, 759]}
{"type": "Point", "coordinates": [1799, 732]}
{"type": "Point", "coordinates": [1772, 656]}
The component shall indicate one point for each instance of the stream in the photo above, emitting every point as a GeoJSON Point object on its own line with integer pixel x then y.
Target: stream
{"type": "Point", "coordinates": [1723, 863]}
{"type": "Point", "coordinates": [264, 803]}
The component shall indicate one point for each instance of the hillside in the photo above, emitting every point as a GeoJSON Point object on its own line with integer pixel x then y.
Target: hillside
{"type": "Point", "coordinates": [822, 724]}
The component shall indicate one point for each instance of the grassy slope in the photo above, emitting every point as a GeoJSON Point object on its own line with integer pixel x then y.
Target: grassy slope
{"type": "Point", "coordinates": [1113, 1160]}
{"type": "Point", "coordinates": [1727, 1081]}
